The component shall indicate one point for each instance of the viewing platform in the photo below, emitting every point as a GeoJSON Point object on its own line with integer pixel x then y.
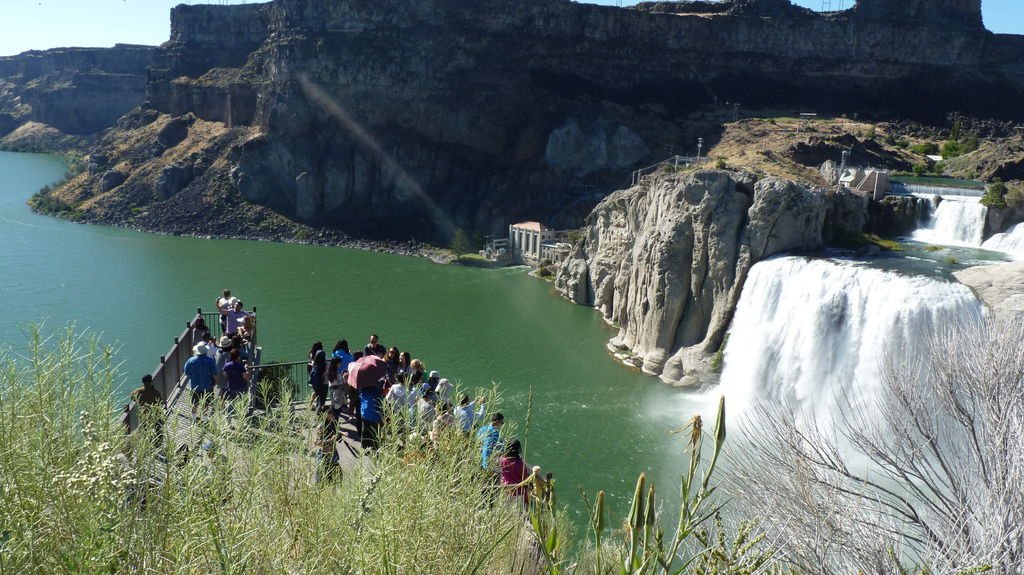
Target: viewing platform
{"type": "Point", "coordinates": [267, 392]}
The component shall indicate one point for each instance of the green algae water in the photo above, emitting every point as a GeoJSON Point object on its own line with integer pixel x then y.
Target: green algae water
{"type": "Point", "coordinates": [595, 423]}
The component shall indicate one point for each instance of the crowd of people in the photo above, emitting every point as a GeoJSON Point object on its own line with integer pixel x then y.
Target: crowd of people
{"type": "Point", "coordinates": [419, 403]}
{"type": "Point", "coordinates": [221, 367]}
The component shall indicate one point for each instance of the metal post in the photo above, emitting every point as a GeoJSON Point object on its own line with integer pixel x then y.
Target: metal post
{"type": "Point", "coordinates": [700, 144]}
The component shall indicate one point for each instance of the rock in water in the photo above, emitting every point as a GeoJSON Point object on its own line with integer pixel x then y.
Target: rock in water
{"type": "Point", "coordinates": [666, 260]}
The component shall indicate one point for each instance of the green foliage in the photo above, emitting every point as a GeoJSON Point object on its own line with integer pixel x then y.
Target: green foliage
{"type": "Point", "coordinates": [951, 149]}
{"type": "Point", "coordinates": [44, 202]}
{"type": "Point", "coordinates": [871, 134]}
{"type": "Point", "coordinates": [938, 169]}
{"type": "Point", "coordinates": [461, 243]}
{"type": "Point", "coordinates": [641, 547]}
{"type": "Point", "coordinates": [575, 236]}
{"type": "Point", "coordinates": [920, 170]}
{"type": "Point", "coordinates": [955, 134]}
{"type": "Point", "coordinates": [995, 195]}
{"type": "Point", "coordinates": [720, 164]}
{"type": "Point", "coordinates": [79, 496]}
{"type": "Point", "coordinates": [925, 149]}
{"type": "Point", "coordinates": [545, 272]}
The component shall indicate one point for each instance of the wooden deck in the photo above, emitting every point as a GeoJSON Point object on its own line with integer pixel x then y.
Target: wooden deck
{"type": "Point", "coordinates": [182, 433]}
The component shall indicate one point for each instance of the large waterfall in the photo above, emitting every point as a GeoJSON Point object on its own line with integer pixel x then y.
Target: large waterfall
{"type": "Point", "coordinates": [810, 330]}
{"type": "Point", "coordinates": [1010, 243]}
{"type": "Point", "coordinates": [954, 222]}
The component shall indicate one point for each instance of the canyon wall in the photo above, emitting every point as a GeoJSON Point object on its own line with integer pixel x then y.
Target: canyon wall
{"type": "Point", "coordinates": [422, 117]}
{"type": "Point", "coordinates": [74, 90]}
{"type": "Point", "coordinates": [665, 260]}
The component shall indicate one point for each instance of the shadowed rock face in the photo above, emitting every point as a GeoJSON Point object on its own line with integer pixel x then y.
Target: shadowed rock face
{"type": "Point", "coordinates": [666, 260]}
{"type": "Point", "coordinates": [75, 90]}
{"type": "Point", "coordinates": [429, 115]}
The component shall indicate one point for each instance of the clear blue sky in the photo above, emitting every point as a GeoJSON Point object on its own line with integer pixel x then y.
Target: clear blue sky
{"type": "Point", "coordinates": [40, 24]}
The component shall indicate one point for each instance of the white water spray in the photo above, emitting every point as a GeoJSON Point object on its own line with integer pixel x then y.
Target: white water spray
{"type": "Point", "coordinates": [814, 330]}
{"type": "Point", "coordinates": [1010, 243]}
{"type": "Point", "coordinates": [956, 221]}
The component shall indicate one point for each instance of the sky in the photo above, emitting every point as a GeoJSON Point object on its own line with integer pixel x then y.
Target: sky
{"type": "Point", "coordinates": [41, 24]}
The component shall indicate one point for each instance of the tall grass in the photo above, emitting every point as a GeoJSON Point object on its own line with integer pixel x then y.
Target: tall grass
{"type": "Point", "coordinates": [77, 495]}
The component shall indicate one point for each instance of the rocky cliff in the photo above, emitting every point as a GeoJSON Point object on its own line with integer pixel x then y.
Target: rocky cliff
{"type": "Point", "coordinates": [427, 116]}
{"type": "Point", "coordinates": [76, 91]}
{"type": "Point", "coordinates": [666, 260]}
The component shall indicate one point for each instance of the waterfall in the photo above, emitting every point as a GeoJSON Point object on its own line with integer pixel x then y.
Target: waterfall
{"type": "Point", "coordinates": [811, 330]}
{"type": "Point", "coordinates": [955, 222]}
{"type": "Point", "coordinates": [1010, 243]}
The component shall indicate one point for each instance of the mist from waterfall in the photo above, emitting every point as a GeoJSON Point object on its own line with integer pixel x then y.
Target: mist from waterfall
{"type": "Point", "coordinates": [811, 330]}
{"type": "Point", "coordinates": [958, 221]}
{"type": "Point", "coordinates": [1010, 243]}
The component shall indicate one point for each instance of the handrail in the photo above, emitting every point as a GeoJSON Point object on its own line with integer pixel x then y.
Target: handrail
{"type": "Point", "coordinates": [167, 377]}
{"type": "Point", "coordinates": [674, 162]}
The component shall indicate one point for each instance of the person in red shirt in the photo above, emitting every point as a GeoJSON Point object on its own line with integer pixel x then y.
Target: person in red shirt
{"type": "Point", "coordinates": [513, 472]}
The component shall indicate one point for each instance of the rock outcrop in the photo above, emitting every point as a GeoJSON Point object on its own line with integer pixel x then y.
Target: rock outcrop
{"type": "Point", "coordinates": [666, 260]}
{"type": "Point", "coordinates": [1000, 287]}
{"type": "Point", "coordinates": [77, 91]}
{"type": "Point", "coordinates": [427, 116]}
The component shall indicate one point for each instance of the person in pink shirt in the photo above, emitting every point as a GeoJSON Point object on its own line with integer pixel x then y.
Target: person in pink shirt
{"type": "Point", "coordinates": [514, 472]}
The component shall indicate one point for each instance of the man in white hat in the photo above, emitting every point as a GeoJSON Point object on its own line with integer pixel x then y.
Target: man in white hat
{"type": "Point", "coordinates": [201, 370]}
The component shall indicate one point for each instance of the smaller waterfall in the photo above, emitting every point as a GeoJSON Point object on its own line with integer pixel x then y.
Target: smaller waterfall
{"type": "Point", "coordinates": [1010, 243]}
{"type": "Point", "coordinates": [812, 330]}
{"type": "Point", "coordinates": [954, 222]}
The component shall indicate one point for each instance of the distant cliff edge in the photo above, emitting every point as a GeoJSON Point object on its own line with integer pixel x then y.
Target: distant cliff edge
{"type": "Point", "coordinates": [404, 120]}
{"type": "Point", "coordinates": [71, 91]}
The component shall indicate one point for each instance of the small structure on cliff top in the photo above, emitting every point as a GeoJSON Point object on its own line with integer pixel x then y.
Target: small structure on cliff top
{"type": "Point", "coordinates": [869, 182]}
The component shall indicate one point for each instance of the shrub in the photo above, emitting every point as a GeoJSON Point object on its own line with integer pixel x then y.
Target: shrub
{"type": "Point", "coordinates": [925, 149]}
{"type": "Point", "coordinates": [995, 195]}
{"type": "Point", "coordinates": [461, 243]}
{"type": "Point", "coordinates": [720, 164]}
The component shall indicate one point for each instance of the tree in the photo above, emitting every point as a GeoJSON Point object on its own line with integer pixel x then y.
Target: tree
{"type": "Point", "coordinates": [928, 471]}
{"type": "Point", "coordinates": [995, 195]}
{"type": "Point", "coordinates": [461, 243]}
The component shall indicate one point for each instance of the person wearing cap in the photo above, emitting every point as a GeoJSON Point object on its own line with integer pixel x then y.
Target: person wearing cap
{"type": "Point", "coordinates": [444, 390]}
{"type": "Point", "coordinates": [222, 351]}
{"type": "Point", "coordinates": [431, 385]}
{"type": "Point", "coordinates": [201, 370]}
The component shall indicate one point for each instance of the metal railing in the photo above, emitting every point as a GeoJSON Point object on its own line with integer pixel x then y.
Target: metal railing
{"type": "Point", "coordinates": [276, 377]}
{"type": "Point", "coordinates": [674, 162]}
{"type": "Point", "coordinates": [167, 377]}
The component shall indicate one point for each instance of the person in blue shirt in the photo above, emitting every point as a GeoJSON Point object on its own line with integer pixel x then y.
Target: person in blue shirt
{"type": "Point", "coordinates": [344, 356]}
{"type": "Point", "coordinates": [490, 438]}
{"type": "Point", "coordinates": [201, 370]}
{"type": "Point", "coordinates": [371, 416]}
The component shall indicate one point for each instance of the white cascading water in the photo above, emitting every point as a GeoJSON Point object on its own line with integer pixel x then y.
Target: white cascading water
{"type": "Point", "coordinates": [1010, 243]}
{"type": "Point", "coordinates": [958, 221]}
{"type": "Point", "coordinates": [814, 330]}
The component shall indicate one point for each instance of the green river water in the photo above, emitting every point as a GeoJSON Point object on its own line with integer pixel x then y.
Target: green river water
{"type": "Point", "coordinates": [595, 423]}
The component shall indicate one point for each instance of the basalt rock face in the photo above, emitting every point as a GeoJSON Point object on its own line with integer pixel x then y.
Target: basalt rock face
{"type": "Point", "coordinates": [666, 260]}
{"type": "Point", "coordinates": [75, 90]}
{"type": "Point", "coordinates": [426, 116]}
